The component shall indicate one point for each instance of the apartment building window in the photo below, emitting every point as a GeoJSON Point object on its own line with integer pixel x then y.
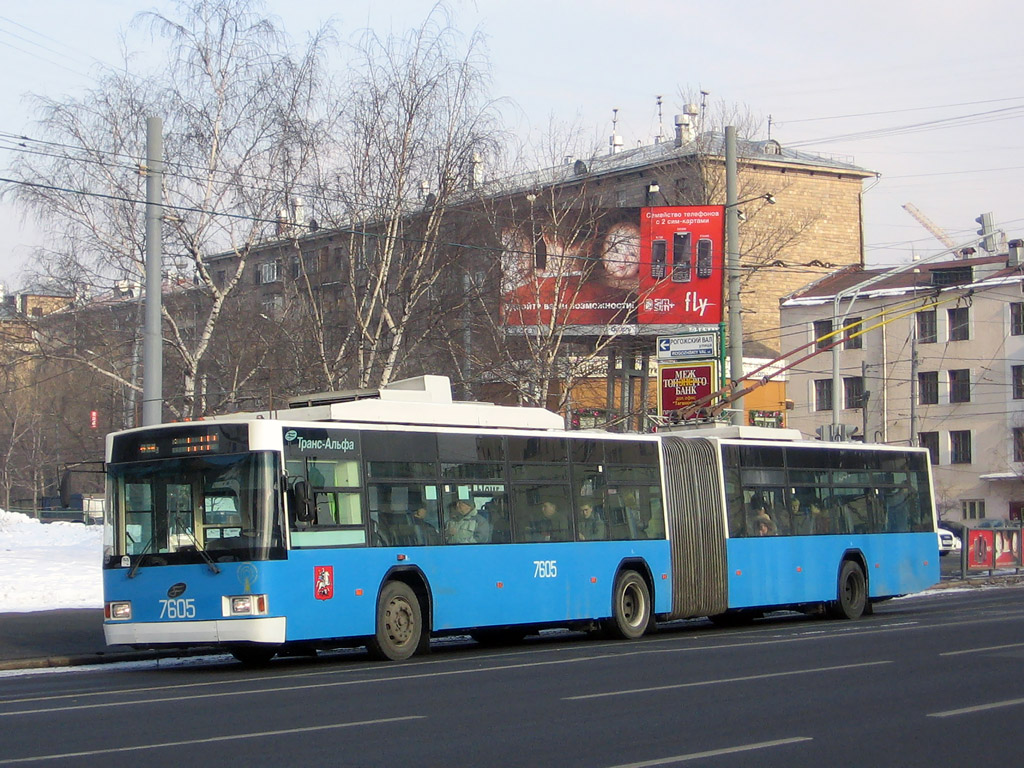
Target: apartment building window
{"type": "Point", "coordinates": [823, 394]}
{"type": "Point", "coordinates": [1018, 382]}
{"type": "Point", "coordinates": [1018, 443]}
{"type": "Point", "coordinates": [271, 306]}
{"type": "Point", "coordinates": [960, 446]}
{"type": "Point", "coordinates": [960, 386]}
{"type": "Point", "coordinates": [972, 509]}
{"type": "Point", "coordinates": [857, 342]}
{"type": "Point", "coordinates": [853, 391]}
{"type": "Point", "coordinates": [267, 273]}
{"type": "Point", "coordinates": [959, 324]}
{"type": "Point", "coordinates": [930, 440]}
{"type": "Point", "coordinates": [1017, 319]}
{"type": "Point", "coordinates": [927, 327]}
{"type": "Point", "coordinates": [928, 387]}
{"type": "Point", "coordinates": [822, 328]}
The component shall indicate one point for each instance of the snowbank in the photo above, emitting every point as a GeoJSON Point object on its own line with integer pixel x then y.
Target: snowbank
{"type": "Point", "coordinates": [49, 566]}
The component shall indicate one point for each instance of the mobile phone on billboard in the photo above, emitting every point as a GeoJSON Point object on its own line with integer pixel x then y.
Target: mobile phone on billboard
{"type": "Point", "coordinates": [704, 257]}
{"type": "Point", "coordinates": [682, 257]}
{"type": "Point", "coordinates": [659, 259]}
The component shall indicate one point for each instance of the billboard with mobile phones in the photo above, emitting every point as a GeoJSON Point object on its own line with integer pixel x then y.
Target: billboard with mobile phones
{"type": "Point", "coordinates": [633, 271]}
{"type": "Point", "coordinates": [689, 290]}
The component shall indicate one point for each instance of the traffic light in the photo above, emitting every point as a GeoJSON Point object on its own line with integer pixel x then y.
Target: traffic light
{"type": "Point", "coordinates": [987, 232]}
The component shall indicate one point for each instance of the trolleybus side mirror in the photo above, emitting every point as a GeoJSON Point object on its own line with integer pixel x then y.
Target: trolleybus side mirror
{"type": "Point", "coordinates": [302, 503]}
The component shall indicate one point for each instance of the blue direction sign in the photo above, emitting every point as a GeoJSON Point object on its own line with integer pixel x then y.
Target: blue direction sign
{"type": "Point", "coordinates": [688, 346]}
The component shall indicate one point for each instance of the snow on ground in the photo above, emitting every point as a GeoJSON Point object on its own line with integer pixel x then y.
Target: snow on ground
{"type": "Point", "coordinates": [49, 566]}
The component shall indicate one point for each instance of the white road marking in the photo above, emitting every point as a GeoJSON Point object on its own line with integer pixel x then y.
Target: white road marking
{"type": "Point", "coordinates": [740, 679]}
{"type": "Point", "coordinates": [209, 740]}
{"type": "Point", "coordinates": [978, 708]}
{"type": "Point", "coordinates": [982, 650]}
{"type": "Point", "coordinates": [714, 753]}
{"type": "Point", "coordinates": [312, 686]}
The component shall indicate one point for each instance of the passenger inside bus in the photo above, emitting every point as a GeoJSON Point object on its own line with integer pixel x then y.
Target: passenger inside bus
{"type": "Point", "coordinates": [426, 533]}
{"type": "Point", "coordinates": [551, 524]}
{"type": "Point", "coordinates": [589, 525]}
{"type": "Point", "coordinates": [465, 525]}
{"type": "Point", "coordinates": [496, 512]}
{"type": "Point", "coordinates": [761, 521]}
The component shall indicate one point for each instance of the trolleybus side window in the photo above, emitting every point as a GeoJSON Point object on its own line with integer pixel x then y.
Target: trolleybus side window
{"type": "Point", "coordinates": [400, 455]}
{"type": "Point", "coordinates": [481, 459]}
{"type": "Point", "coordinates": [633, 503]}
{"type": "Point", "coordinates": [405, 514]}
{"type": "Point", "coordinates": [825, 491]}
{"type": "Point", "coordinates": [335, 515]}
{"type": "Point", "coordinates": [541, 501]}
{"type": "Point", "coordinates": [589, 488]}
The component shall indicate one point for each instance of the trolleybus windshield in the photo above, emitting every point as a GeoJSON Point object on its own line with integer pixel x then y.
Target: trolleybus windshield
{"type": "Point", "coordinates": [195, 509]}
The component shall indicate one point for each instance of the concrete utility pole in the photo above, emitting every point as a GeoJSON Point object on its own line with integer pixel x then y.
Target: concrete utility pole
{"type": "Point", "coordinates": [732, 239]}
{"type": "Point", "coordinates": [152, 347]}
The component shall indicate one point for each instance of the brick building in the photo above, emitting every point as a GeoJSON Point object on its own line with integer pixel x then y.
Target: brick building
{"type": "Point", "coordinates": [813, 228]}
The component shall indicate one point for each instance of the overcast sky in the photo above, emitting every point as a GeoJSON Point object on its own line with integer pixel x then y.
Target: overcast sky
{"type": "Point", "coordinates": [927, 95]}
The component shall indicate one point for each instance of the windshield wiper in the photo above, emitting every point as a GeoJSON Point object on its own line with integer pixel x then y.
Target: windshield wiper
{"type": "Point", "coordinates": [142, 556]}
{"type": "Point", "coordinates": [199, 547]}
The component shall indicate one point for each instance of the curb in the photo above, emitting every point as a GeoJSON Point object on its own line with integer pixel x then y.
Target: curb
{"type": "Point", "coordinates": [94, 659]}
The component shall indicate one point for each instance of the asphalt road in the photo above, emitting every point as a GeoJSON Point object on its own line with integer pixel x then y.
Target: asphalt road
{"type": "Point", "coordinates": [927, 681]}
{"type": "Point", "coordinates": [52, 633]}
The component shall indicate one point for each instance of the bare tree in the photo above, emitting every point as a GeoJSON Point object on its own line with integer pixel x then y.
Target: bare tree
{"type": "Point", "coordinates": [546, 300]}
{"type": "Point", "coordinates": [417, 122]}
{"type": "Point", "coordinates": [245, 117]}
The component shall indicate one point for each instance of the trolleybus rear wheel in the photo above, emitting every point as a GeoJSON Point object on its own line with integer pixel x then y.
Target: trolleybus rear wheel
{"type": "Point", "coordinates": [399, 623]}
{"type": "Point", "coordinates": [852, 593]}
{"type": "Point", "coordinates": [631, 607]}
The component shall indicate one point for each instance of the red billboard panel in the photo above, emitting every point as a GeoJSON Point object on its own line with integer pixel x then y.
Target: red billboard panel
{"type": "Point", "coordinates": [980, 549]}
{"type": "Point", "coordinates": [681, 265]}
{"type": "Point", "coordinates": [598, 276]}
{"type": "Point", "coordinates": [680, 386]}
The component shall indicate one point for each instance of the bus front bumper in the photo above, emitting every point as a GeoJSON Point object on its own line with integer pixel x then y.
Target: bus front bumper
{"type": "Point", "coordinates": [263, 630]}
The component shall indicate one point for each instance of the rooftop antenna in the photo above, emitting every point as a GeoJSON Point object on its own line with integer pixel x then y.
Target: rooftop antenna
{"type": "Point", "coordinates": [661, 126]}
{"type": "Point", "coordinates": [769, 127]}
{"type": "Point", "coordinates": [614, 141]}
{"type": "Point", "coordinates": [703, 106]}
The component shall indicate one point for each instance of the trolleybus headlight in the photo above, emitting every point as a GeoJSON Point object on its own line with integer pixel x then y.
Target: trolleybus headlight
{"type": "Point", "coordinates": [245, 605]}
{"type": "Point", "coordinates": [118, 611]}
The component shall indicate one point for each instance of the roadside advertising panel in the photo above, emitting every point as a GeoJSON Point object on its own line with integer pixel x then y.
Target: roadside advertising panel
{"type": "Point", "coordinates": [631, 271]}
{"type": "Point", "coordinates": [980, 549]}
{"type": "Point", "coordinates": [680, 386]}
{"type": "Point", "coordinates": [990, 548]}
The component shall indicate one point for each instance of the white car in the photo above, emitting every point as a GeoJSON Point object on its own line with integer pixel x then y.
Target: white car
{"type": "Point", "coordinates": [948, 541]}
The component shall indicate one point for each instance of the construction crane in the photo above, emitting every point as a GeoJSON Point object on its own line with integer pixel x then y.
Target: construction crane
{"type": "Point", "coordinates": [937, 232]}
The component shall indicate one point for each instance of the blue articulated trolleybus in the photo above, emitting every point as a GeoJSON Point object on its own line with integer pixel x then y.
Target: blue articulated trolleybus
{"type": "Point", "coordinates": [389, 517]}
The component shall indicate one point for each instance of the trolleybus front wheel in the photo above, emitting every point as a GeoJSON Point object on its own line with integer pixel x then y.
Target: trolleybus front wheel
{"type": "Point", "coordinates": [852, 593]}
{"type": "Point", "coordinates": [631, 607]}
{"type": "Point", "coordinates": [399, 623]}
